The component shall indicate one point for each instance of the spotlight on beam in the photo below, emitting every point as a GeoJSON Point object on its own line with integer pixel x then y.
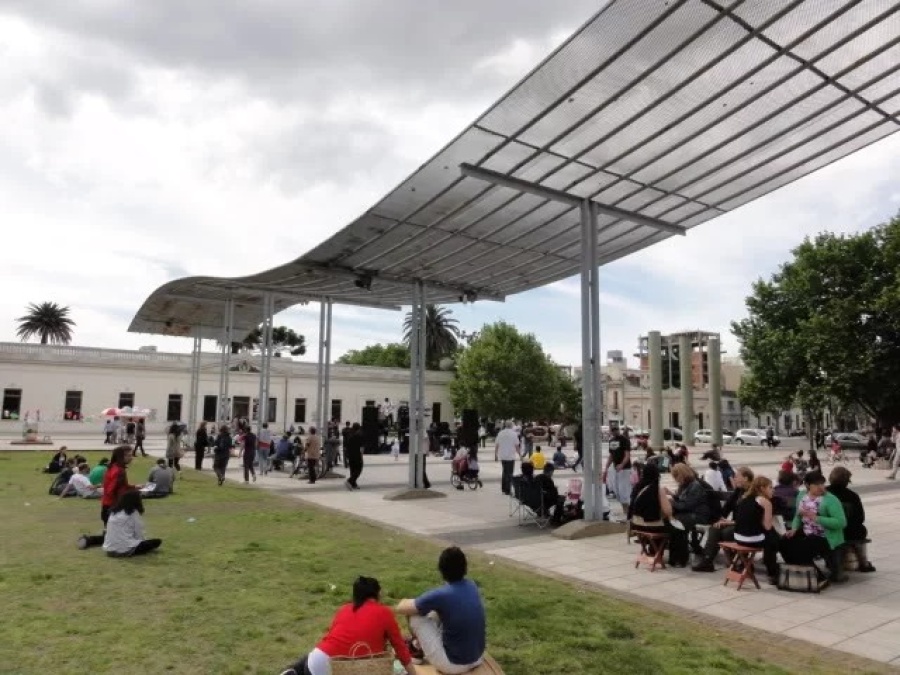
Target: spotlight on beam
{"type": "Point", "coordinates": [471, 296]}
{"type": "Point", "coordinates": [363, 281]}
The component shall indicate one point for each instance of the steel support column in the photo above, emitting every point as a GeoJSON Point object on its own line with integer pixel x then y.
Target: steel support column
{"type": "Point", "coordinates": [195, 383]}
{"type": "Point", "coordinates": [420, 403]}
{"type": "Point", "coordinates": [655, 364]}
{"type": "Point", "coordinates": [686, 364]}
{"type": "Point", "coordinates": [413, 387]}
{"type": "Point", "coordinates": [320, 367]}
{"type": "Point", "coordinates": [594, 508]}
{"type": "Point", "coordinates": [223, 414]}
{"type": "Point", "coordinates": [714, 359]}
{"type": "Point", "coordinates": [588, 401]}
{"type": "Point", "coordinates": [265, 362]}
{"type": "Point", "coordinates": [326, 373]}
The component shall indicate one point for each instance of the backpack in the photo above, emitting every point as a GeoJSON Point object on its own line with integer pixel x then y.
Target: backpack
{"type": "Point", "coordinates": [713, 500]}
{"type": "Point", "coordinates": [60, 482]}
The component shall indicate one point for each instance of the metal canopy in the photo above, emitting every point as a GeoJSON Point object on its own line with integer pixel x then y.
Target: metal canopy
{"type": "Point", "coordinates": [664, 114]}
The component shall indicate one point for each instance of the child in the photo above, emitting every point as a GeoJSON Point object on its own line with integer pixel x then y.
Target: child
{"type": "Point", "coordinates": [395, 449]}
{"type": "Point", "coordinates": [125, 528]}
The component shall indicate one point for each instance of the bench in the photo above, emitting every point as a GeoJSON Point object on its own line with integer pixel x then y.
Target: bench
{"type": "Point", "coordinates": [487, 667]}
{"type": "Point", "coordinates": [741, 566]}
{"type": "Point", "coordinates": [653, 547]}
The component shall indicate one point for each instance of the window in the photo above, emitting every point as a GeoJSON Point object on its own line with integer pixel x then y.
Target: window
{"type": "Point", "coordinates": [209, 408]}
{"type": "Point", "coordinates": [370, 403]}
{"type": "Point", "coordinates": [126, 399]}
{"type": "Point", "coordinates": [299, 411]}
{"type": "Point", "coordinates": [336, 409]}
{"type": "Point", "coordinates": [730, 406]}
{"type": "Point", "coordinates": [271, 411]}
{"type": "Point", "coordinates": [173, 409]}
{"type": "Point", "coordinates": [72, 407]}
{"type": "Point", "coordinates": [241, 407]}
{"type": "Point", "coordinates": [12, 404]}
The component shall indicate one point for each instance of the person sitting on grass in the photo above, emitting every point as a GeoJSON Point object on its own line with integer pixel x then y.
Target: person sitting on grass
{"type": "Point", "coordinates": [163, 479]}
{"type": "Point", "coordinates": [125, 528]}
{"type": "Point", "coordinates": [58, 462]}
{"type": "Point", "coordinates": [448, 622]}
{"type": "Point", "coordinates": [560, 461]}
{"type": "Point", "coordinates": [99, 471]}
{"type": "Point", "coordinates": [365, 623]}
{"type": "Point", "coordinates": [80, 484]}
{"type": "Point", "coordinates": [63, 477]}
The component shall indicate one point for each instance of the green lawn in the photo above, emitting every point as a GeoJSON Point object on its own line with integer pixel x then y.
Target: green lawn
{"type": "Point", "coordinates": [246, 581]}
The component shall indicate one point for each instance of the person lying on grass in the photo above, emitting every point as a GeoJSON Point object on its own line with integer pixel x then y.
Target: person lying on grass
{"type": "Point", "coordinates": [125, 528]}
{"type": "Point", "coordinates": [359, 628]}
{"type": "Point", "coordinates": [448, 622]}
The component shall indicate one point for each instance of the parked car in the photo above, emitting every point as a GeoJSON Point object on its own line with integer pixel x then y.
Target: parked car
{"type": "Point", "coordinates": [753, 437]}
{"type": "Point", "coordinates": [797, 433]}
{"type": "Point", "coordinates": [673, 434]}
{"type": "Point", "coordinates": [706, 436]}
{"type": "Point", "coordinates": [851, 441]}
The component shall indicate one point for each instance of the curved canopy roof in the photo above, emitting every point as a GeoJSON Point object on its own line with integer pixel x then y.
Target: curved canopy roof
{"type": "Point", "coordinates": [671, 113]}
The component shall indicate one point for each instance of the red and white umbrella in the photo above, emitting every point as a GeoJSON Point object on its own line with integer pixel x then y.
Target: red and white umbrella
{"type": "Point", "coordinates": [110, 412]}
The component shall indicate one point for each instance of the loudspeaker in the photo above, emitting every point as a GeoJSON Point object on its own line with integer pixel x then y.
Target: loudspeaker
{"type": "Point", "coordinates": [403, 418]}
{"type": "Point", "coordinates": [436, 413]}
{"type": "Point", "coordinates": [468, 433]}
{"type": "Point", "coordinates": [370, 429]}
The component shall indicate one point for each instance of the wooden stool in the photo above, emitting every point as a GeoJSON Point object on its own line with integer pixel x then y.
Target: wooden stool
{"type": "Point", "coordinates": [488, 667]}
{"type": "Point", "coordinates": [741, 555]}
{"type": "Point", "coordinates": [656, 543]}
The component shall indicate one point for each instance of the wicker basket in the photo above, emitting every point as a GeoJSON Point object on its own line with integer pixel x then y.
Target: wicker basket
{"type": "Point", "coordinates": [363, 662]}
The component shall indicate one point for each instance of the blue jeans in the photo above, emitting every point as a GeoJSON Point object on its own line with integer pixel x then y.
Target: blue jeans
{"type": "Point", "coordinates": [262, 458]}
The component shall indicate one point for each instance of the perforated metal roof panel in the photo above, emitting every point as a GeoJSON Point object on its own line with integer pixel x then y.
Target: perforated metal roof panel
{"type": "Point", "coordinates": [680, 110]}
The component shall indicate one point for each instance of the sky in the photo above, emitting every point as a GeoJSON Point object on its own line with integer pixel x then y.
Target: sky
{"type": "Point", "coordinates": [143, 142]}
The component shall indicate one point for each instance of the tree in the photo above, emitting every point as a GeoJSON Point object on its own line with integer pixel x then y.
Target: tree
{"type": "Point", "coordinates": [505, 374]}
{"type": "Point", "coordinates": [47, 320]}
{"type": "Point", "coordinates": [392, 355]}
{"type": "Point", "coordinates": [441, 334]}
{"type": "Point", "coordinates": [283, 339]}
{"type": "Point", "coordinates": [827, 325]}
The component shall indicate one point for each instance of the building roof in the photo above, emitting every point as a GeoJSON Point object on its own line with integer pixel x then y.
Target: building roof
{"type": "Point", "coordinates": [666, 114]}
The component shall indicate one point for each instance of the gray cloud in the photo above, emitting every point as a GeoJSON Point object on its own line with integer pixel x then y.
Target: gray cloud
{"type": "Point", "coordinates": [327, 45]}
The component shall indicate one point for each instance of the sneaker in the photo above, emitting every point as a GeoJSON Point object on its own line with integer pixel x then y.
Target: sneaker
{"type": "Point", "coordinates": [347, 485]}
{"type": "Point", "coordinates": [289, 671]}
{"type": "Point", "coordinates": [868, 567]}
{"type": "Point", "coordinates": [704, 566]}
{"type": "Point", "coordinates": [414, 649]}
{"type": "Point", "coordinates": [82, 542]}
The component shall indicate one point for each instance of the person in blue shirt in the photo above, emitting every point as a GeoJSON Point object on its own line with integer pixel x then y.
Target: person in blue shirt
{"type": "Point", "coordinates": [448, 621]}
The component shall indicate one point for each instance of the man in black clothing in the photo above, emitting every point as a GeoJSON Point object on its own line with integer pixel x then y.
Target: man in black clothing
{"type": "Point", "coordinates": [353, 455]}
{"type": "Point", "coordinates": [345, 434]}
{"type": "Point", "coordinates": [723, 530]}
{"type": "Point", "coordinates": [551, 497]}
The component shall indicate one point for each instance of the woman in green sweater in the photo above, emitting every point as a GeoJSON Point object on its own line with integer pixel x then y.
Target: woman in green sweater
{"type": "Point", "coordinates": [817, 528]}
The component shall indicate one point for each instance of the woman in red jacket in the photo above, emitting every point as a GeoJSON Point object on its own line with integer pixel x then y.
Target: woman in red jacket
{"type": "Point", "coordinates": [115, 484]}
{"type": "Point", "coordinates": [365, 621]}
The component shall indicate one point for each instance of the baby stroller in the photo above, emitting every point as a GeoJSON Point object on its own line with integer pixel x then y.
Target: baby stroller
{"type": "Point", "coordinates": [464, 471]}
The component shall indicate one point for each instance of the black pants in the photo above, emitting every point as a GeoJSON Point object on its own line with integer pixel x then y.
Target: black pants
{"type": "Point", "coordinates": [97, 539]}
{"type": "Point", "coordinates": [139, 445]}
{"type": "Point", "coordinates": [355, 463]}
{"type": "Point", "coordinates": [802, 550]}
{"type": "Point", "coordinates": [580, 459]}
{"type": "Point", "coordinates": [312, 465]}
{"type": "Point", "coordinates": [199, 451]}
{"type": "Point", "coordinates": [175, 462]}
{"type": "Point", "coordinates": [425, 482]}
{"type": "Point", "coordinates": [770, 552]}
{"type": "Point", "coordinates": [108, 437]}
{"type": "Point", "coordinates": [249, 471]}
{"type": "Point", "coordinates": [219, 466]}
{"type": "Point", "coordinates": [146, 546]}
{"type": "Point", "coordinates": [714, 536]}
{"type": "Point", "coordinates": [300, 667]}
{"type": "Point", "coordinates": [507, 466]}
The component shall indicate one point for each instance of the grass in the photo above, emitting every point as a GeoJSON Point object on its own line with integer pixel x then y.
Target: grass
{"type": "Point", "coordinates": [246, 581]}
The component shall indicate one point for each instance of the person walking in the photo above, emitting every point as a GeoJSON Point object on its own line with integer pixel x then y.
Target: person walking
{"type": "Point", "coordinates": [345, 434]}
{"type": "Point", "coordinates": [248, 453]}
{"type": "Point", "coordinates": [506, 449]}
{"type": "Point", "coordinates": [264, 447]}
{"type": "Point", "coordinates": [579, 447]}
{"type": "Point", "coordinates": [173, 446]}
{"type": "Point", "coordinates": [108, 430]}
{"type": "Point", "coordinates": [201, 442]}
{"type": "Point", "coordinates": [895, 460]}
{"type": "Point", "coordinates": [140, 433]}
{"type": "Point", "coordinates": [313, 454]}
{"type": "Point", "coordinates": [222, 452]}
{"type": "Point", "coordinates": [353, 455]}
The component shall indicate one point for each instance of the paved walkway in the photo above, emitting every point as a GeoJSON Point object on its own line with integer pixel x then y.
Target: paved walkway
{"type": "Point", "coordinates": [861, 617]}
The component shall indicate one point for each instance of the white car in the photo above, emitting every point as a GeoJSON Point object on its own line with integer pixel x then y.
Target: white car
{"type": "Point", "coordinates": [753, 437]}
{"type": "Point", "coordinates": [706, 436]}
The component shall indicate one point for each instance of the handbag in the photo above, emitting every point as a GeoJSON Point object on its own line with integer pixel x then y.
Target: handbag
{"type": "Point", "coordinates": [801, 579]}
{"type": "Point", "coordinates": [360, 663]}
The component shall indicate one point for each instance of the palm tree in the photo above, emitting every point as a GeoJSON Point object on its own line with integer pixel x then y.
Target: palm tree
{"type": "Point", "coordinates": [441, 333]}
{"type": "Point", "coordinates": [48, 320]}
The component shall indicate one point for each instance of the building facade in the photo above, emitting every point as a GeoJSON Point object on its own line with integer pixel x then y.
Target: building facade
{"type": "Point", "coordinates": [63, 389]}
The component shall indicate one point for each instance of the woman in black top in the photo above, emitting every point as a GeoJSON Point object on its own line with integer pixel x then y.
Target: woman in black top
{"type": "Point", "coordinates": [856, 533]}
{"type": "Point", "coordinates": [650, 507]}
{"type": "Point", "coordinates": [753, 524]}
{"type": "Point", "coordinates": [222, 452]}
{"type": "Point", "coordinates": [201, 441]}
{"type": "Point", "coordinates": [814, 463]}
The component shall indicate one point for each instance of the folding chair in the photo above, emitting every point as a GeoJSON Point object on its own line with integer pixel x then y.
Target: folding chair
{"type": "Point", "coordinates": [532, 508]}
{"type": "Point", "coordinates": [515, 496]}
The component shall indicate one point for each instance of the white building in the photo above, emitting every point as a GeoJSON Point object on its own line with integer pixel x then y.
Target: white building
{"type": "Point", "coordinates": [47, 381]}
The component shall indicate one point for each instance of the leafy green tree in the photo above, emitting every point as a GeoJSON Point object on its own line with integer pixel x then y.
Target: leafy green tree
{"type": "Point", "coordinates": [441, 334]}
{"type": "Point", "coordinates": [505, 374]}
{"type": "Point", "coordinates": [392, 355]}
{"type": "Point", "coordinates": [283, 339]}
{"type": "Point", "coordinates": [49, 321]}
{"type": "Point", "coordinates": [828, 324]}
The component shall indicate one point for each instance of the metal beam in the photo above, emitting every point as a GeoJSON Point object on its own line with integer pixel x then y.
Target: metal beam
{"type": "Point", "coordinates": [567, 198]}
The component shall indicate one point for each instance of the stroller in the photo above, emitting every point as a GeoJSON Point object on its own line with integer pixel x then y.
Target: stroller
{"type": "Point", "coordinates": [464, 471]}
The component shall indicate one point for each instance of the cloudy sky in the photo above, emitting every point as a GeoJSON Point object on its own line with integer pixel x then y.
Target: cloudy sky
{"type": "Point", "coordinates": [142, 142]}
